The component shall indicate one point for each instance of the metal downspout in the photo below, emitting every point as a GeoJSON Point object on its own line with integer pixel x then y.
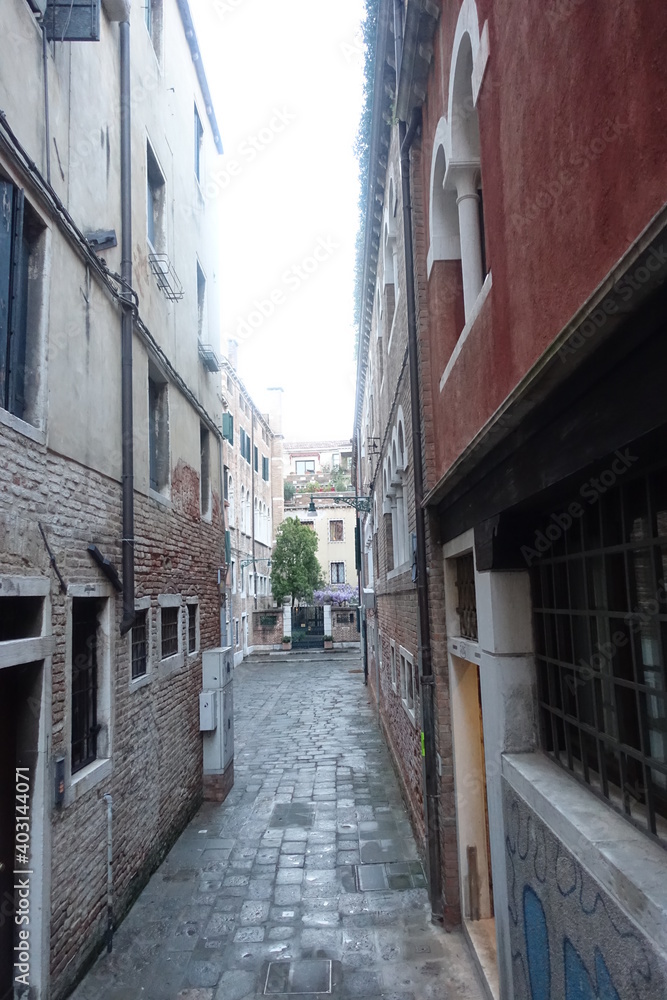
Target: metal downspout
{"type": "Point", "coordinates": [127, 323]}
{"type": "Point", "coordinates": [431, 794]}
{"type": "Point", "coordinates": [109, 801]}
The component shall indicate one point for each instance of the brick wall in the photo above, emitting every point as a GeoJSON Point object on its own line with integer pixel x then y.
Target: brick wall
{"type": "Point", "coordinates": [267, 635]}
{"type": "Point", "coordinates": [344, 625]}
{"type": "Point", "coordinates": [156, 778]}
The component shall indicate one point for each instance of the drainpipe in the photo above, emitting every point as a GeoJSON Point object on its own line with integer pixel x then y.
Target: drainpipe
{"type": "Point", "coordinates": [223, 605]}
{"type": "Point", "coordinates": [47, 123]}
{"type": "Point", "coordinates": [431, 794]}
{"type": "Point", "coordinates": [127, 323]}
{"type": "Point", "coordinates": [109, 802]}
{"type": "Point", "coordinates": [252, 507]}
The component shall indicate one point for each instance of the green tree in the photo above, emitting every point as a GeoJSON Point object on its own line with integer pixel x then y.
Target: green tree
{"type": "Point", "coordinates": [295, 571]}
{"type": "Point", "coordinates": [289, 489]}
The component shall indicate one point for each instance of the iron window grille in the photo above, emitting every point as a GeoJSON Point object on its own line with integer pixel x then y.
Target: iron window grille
{"type": "Point", "coordinates": [85, 728]}
{"type": "Point", "coordinates": [467, 606]}
{"type": "Point", "coordinates": [140, 645]}
{"type": "Point", "coordinates": [192, 628]}
{"type": "Point", "coordinates": [338, 572]}
{"type": "Point", "coordinates": [169, 632]}
{"type": "Point", "coordinates": [600, 613]}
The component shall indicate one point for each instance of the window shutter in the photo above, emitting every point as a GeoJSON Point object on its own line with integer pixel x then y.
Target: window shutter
{"type": "Point", "coordinates": [256, 459]}
{"type": "Point", "coordinates": [228, 427]}
{"type": "Point", "coordinates": [228, 547]}
{"type": "Point", "coordinates": [72, 20]}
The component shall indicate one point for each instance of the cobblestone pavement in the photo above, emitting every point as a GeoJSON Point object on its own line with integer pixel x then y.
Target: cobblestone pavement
{"type": "Point", "coordinates": [306, 881]}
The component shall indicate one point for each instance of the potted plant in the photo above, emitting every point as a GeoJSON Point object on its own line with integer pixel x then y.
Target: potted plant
{"type": "Point", "coordinates": [287, 642]}
{"type": "Point", "coordinates": [328, 642]}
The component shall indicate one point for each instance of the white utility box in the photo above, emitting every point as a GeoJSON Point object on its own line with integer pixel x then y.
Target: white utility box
{"type": "Point", "coordinates": [208, 711]}
{"type": "Point", "coordinates": [217, 667]}
{"type": "Point", "coordinates": [219, 740]}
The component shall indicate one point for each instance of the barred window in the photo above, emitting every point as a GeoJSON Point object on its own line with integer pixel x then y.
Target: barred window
{"type": "Point", "coordinates": [139, 646]}
{"type": "Point", "coordinates": [600, 611]}
{"type": "Point", "coordinates": [192, 628]}
{"type": "Point", "coordinates": [467, 606]}
{"type": "Point", "coordinates": [169, 636]}
{"type": "Point", "coordinates": [85, 728]}
{"type": "Point", "coordinates": [338, 572]}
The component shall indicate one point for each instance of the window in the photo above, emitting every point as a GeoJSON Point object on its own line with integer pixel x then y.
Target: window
{"type": "Point", "coordinates": [192, 628]}
{"type": "Point", "coordinates": [169, 632]}
{"type": "Point", "coordinates": [155, 202]}
{"type": "Point", "coordinates": [236, 631]}
{"type": "Point", "coordinates": [201, 303]}
{"type": "Point", "coordinates": [153, 20]}
{"type": "Point", "coordinates": [304, 467]}
{"type": "Point", "coordinates": [600, 619]}
{"type": "Point", "coordinates": [392, 657]}
{"type": "Point", "coordinates": [199, 142]}
{"type": "Point", "coordinates": [158, 433]}
{"type": "Point", "coordinates": [140, 645]}
{"type": "Point", "coordinates": [467, 603]}
{"type": "Point", "coordinates": [265, 468]}
{"type": "Point", "coordinates": [255, 458]}
{"type": "Point", "coordinates": [338, 572]}
{"type": "Point", "coordinates": [407, 682]}
{"type": "Point", "coordinates": [85, 728]}
{"type": "Point", "coordinates": [335, 460]}
{"type": "Point", "coordinates": [21, 246]}
{"type": "Point", "coordinates": [336, 531]}
{"type": "Point", "coordinates": [205, 471]}
{"type": "Point", "coordinates": [233, 576]}
{"type": "Point", "coordinates": [228, 428]}
{"type": "Point", "coordinates": [244, 444]}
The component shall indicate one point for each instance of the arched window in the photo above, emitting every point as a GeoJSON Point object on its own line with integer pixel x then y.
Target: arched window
{"type": "Point", "coordinates": [456, 213]}
{"type": "Point", "coordinates": [231, 513]}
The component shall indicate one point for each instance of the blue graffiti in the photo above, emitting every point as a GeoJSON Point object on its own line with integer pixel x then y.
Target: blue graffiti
{"type": "Point", "coordinates": [578, 985]}
{"type": "Point", "coordinates": [537, 945]}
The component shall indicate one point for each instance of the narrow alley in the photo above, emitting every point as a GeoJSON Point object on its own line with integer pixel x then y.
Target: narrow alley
{"type": "Point", "coordinates": [306, 880]}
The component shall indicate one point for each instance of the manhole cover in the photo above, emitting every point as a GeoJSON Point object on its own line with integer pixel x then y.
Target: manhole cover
{"type": "Point", "coordinates": [297, 978]}
{"type": "Point", "coordinates": [297, 814]}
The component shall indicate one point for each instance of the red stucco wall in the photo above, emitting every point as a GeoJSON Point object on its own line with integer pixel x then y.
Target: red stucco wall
{"type": "Point", "coordinates": [573, 123]}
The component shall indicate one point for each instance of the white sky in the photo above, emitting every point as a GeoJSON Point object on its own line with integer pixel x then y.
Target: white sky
{"type": "Point", "coordinates": [286, 80]}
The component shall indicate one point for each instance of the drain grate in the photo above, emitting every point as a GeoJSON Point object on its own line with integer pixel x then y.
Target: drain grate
{"type": "Point", "coordinates": [298, 978]}
{"type": "Point", "coordinates": [397, 876]}
{"type": "Point", "coordinates": [297, 814]}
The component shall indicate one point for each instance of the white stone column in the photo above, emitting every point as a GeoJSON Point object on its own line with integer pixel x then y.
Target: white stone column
{"type": "Point", "coordinates": [287, 617]}
{"type": "Point", "coordinates": [467, 200]}
{"type": "Point", "coordinates": [508, 682]}
{"type": "Point", "coordinates": [327, 620]}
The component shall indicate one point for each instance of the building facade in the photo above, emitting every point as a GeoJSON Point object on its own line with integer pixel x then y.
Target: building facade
{"type": "Point", "coordinates": [253, 491]}
{"type": "Point", "coordinates": [536, 282]}
{"type": "Point", "coordinates": [111, 521]}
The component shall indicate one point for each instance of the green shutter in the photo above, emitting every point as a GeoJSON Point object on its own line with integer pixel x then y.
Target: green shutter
{"type": "Point", "coordinates": [228, 547]}
{"type": "Point", "coordinates": [228, 427]}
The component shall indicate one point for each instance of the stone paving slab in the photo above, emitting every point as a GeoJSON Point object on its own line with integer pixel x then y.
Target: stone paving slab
{"type": "Point", "coordinates": [309, 865]}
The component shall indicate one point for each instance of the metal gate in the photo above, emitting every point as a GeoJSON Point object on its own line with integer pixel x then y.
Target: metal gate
{"type": "Point", "coordinates": [307, 628]}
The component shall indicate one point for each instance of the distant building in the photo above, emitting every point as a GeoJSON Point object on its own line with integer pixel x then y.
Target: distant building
{"type": "Point", "coordinates": [326, 463]}
{"type": "Point", "coordinates": [253, 491]}
{"type": "Point", "coordinates": [111, 522]}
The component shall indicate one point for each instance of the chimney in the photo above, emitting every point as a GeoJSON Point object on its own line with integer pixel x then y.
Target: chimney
{"type": "Point", "coordinates": [233, 354]}
{"type": "Point", "coordinates": [276, 410]}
